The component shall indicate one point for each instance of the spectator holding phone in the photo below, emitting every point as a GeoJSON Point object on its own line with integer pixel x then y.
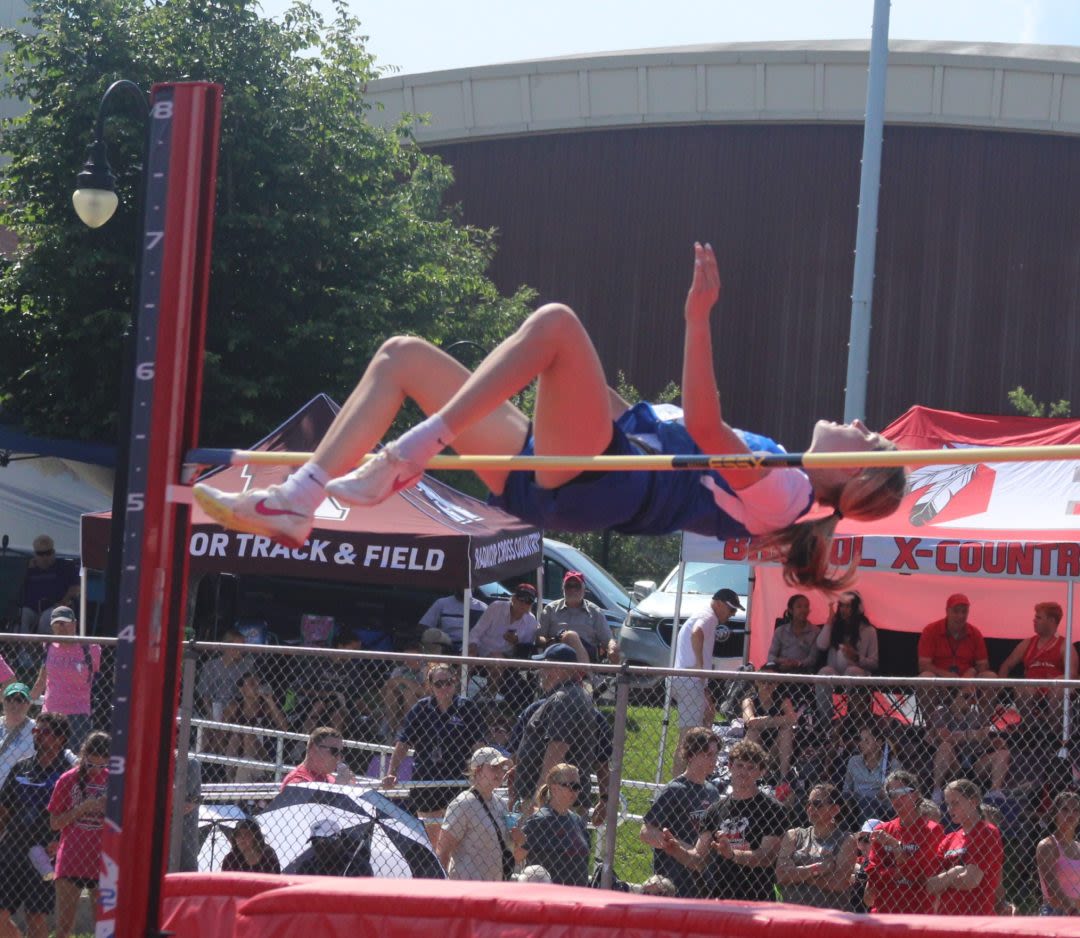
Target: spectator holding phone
{"type": "Point", "coordinates": [903, 852]}
{"type": "Point", "coordinates": [77, 812]}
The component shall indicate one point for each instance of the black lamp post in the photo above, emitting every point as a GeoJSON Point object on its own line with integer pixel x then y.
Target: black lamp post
{"type": "Point", "coordinates": [94, 197]}
{"type": "Point", "coordinates": [95, 202]}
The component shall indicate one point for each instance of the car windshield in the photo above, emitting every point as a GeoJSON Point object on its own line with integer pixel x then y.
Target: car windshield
{"type": "Point", "coordinates": [707, 578]}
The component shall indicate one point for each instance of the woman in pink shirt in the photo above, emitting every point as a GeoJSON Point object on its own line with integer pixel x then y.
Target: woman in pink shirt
{"type": "Point", "coordinates": [77, 811]}
{"type": "Point", "coordinates": [67, 676]}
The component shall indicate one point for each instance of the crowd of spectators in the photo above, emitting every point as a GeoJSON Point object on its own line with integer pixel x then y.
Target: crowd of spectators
{"type": "Point", "coordinates": [815, 794]}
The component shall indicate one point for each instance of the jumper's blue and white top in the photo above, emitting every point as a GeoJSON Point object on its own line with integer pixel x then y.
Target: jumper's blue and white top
{"type": "Point", "coordinates": [661, 502]}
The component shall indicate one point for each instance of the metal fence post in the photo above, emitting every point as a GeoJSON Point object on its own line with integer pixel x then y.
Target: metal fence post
{"type": "Point", "coordinates": [183, 743]}
{"type": "Point", "coordinates": [611, 818]}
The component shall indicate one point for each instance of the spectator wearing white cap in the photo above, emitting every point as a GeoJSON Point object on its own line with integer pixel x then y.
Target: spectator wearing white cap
{"type": "Point", "coordinates": [578, 622]}
{"type": "Point", "coordinates": [533, 873]}
{"type": "Point", "coordinates": [475, 838]}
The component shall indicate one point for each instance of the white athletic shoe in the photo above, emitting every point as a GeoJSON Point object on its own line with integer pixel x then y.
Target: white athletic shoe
{"type": "Point", "coordinates": [377, 479]}
{"type": "Point", "coordinates": [260, 511]}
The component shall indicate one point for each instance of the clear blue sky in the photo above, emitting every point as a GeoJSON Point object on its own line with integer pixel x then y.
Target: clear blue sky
{"type": "Point", "coordinates": [425, 35]}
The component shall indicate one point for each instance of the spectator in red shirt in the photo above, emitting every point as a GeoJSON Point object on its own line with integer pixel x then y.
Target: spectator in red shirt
{"type": "Point", "coordinates": [903, 852]}
{"type": "Point", "coordinates": [322, 762]}
{"type": "Point", "coordinates": [970, 859]}
{"type": "Point", "coordinates": [952, 647]}
{"type": "Point", "coordinates": [1043, 656]}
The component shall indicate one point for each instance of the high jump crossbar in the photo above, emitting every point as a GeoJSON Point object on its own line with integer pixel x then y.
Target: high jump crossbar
{"type": "Point", "coordinates": [833, 460]}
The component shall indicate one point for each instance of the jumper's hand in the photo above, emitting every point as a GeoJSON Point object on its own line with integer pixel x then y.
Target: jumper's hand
{"type": "Point", "coordinates": [705, 287]}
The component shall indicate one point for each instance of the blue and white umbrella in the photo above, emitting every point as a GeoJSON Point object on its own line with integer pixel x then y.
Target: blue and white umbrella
{"type": "Point", "coordinates": [390, 842]}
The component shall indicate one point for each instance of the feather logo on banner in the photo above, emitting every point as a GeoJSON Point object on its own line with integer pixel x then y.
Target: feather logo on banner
{"type": "Point", "coordinates": [939, 484]}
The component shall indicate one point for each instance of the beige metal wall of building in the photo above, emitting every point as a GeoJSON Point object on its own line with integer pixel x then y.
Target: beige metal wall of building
{"type": "Point", "coordinates": [600, 171]}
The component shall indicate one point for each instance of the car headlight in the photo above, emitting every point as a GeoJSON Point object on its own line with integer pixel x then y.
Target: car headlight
{"type": "Point", "coordinates": [635, 621]}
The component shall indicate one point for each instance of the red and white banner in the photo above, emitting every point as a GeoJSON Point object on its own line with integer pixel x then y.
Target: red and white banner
{"type": "Point", "coordinates": [1007, 534]}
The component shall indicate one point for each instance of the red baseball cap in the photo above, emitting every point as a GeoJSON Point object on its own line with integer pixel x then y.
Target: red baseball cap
{"type": "Point", "coordinates": [573, 575]}
{"type": "Point", "coordinates": [957, 599]}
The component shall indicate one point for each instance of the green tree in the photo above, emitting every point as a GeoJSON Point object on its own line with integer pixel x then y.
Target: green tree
{"type": "Point", "coordinates": [1026, 405]}
{"type": "Point", "coordinates": [331, 234]}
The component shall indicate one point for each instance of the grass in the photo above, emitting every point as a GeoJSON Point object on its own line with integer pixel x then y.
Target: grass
{"type": "Point", "coordinates": [633, 860]}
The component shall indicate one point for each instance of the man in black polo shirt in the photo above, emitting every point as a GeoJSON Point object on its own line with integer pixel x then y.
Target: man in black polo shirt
{"type": "Point", "coordinates": [24, 821]}
{"type": "Point", "coordinates": [444, 730]}
{"type": "Point", "coordinates": [563, 728]}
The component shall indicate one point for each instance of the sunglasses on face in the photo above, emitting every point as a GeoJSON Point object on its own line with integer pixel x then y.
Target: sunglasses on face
{"type": "Point", "coordinates": [335, 751]}
{"type": "Point", "coordinates": [863, 839]}
{"type": "Point", "coordinates": [442, 682]}
{"type": "Point", "coordinates": [897, 792]}
{"type": "Point", "coordinates": [17, 698]}
{"type": "Point", "coordinates": [573, 786]}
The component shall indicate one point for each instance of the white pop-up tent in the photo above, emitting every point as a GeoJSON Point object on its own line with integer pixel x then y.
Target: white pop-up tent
{"type": "Point", "coordinates": [47, 485]}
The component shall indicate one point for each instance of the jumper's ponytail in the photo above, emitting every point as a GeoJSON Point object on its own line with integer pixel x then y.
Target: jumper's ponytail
{"type": "Point", "coordinates": [805, 546]}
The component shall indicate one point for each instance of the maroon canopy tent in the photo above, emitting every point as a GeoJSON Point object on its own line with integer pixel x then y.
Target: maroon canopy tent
{"type": "Point", "coordinates": [431, 536]}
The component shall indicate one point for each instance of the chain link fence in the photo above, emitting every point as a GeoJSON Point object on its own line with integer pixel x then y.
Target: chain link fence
{"type": "Point", "coordinates": [894, 795]}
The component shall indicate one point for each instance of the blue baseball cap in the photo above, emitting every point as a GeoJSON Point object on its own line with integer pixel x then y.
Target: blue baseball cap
{"type": "Point", "coordinates": [560, 651]}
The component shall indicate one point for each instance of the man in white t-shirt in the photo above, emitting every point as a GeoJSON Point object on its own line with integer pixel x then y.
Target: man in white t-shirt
{"type": "Point", "coordinates": [448, 614]}
{"type": "Point", "coordinates": [694, 650]}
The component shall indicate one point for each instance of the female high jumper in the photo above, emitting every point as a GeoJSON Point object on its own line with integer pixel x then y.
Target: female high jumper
{"type": "Point", "coordinates": [576, 413]}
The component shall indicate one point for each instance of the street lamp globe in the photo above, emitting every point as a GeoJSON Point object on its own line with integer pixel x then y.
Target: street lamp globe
{"type": "Point", "coordinates": [95, 198]}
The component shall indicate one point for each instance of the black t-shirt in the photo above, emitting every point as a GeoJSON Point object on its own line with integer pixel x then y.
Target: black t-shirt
{"type": "Point", "coordinates": [25, 799]}
{"type": "Point", "coordinates": [444, 740]}
{"type": "Point", "coordinates": [567, 715]}
{"type": "Point", "coordinates": [681, 806]}
{"type": "Point", "coordinates": [560, 844]}
{"type": "Point", "coordinates": [745, 822]}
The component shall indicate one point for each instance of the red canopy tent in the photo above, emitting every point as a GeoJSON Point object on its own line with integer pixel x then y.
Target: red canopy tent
{"type": "Point", "coordinates": [1005, 534]}
{"type": "Point", "coordinates": [431, 536]}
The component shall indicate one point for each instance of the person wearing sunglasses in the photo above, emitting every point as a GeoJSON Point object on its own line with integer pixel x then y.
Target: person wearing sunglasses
{"type": "Point", "coordinates": [903, 851]}
{"type": "Point", "coordinates": [815, 863]}
{"type": "Point", "coordinates": [443, 729]}
{"type": "Point", "coordinates": [556, 836]}
{"type": "Point", "coordinates": [322, 760]}
{"type": "Point", "coordinates": [25, 838]}
{"type": "Point", "coordinates": [49, 581]}
{"type": "Point", "coordinates": [475, 839]}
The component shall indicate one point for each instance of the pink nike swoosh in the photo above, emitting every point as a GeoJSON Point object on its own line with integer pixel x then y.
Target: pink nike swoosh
{"type": "Point", "coordinates": [261, 509]}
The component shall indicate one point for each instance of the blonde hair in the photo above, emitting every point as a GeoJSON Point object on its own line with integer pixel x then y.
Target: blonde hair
{"type": "Point", "coordinates": [543, 793]}
{"type": "Point", "coordinates": [804, 547]}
